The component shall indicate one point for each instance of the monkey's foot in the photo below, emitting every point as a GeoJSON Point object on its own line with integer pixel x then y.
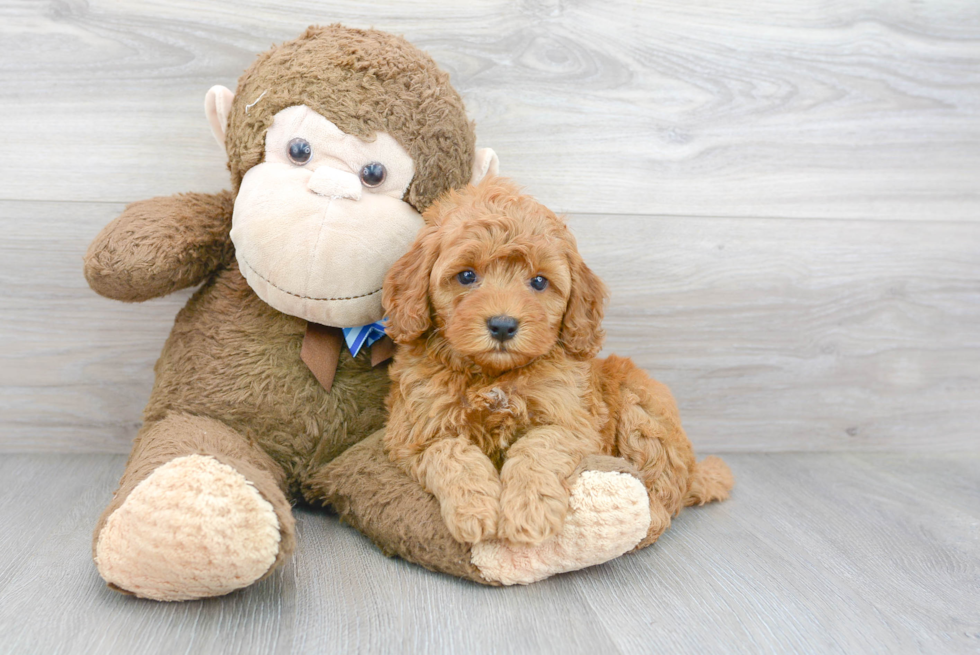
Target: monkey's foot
{"type": "Point", "coordinates": [193, 528]}
{"type": "Point", "coordinates": [608, 515]}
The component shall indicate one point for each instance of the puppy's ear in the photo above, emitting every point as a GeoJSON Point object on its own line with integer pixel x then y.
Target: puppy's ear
{"type": "Point", "coordinates": [581, 329]}
{"type": "Point", "coordinates": [406, 289]}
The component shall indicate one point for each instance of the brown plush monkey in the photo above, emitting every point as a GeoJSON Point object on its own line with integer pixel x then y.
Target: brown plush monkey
{"type": "Point", "coordinates": [335, 142]}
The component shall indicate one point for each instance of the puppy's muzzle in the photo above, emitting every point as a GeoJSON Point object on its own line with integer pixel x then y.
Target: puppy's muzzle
{"type": "Point", "coordinates": [502, 328]}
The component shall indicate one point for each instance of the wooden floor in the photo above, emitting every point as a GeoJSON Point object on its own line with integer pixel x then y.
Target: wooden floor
{"type": "Point", "coordinates": [814, 554]}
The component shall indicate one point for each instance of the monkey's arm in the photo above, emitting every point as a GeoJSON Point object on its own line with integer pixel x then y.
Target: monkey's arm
{"type": "Point", "coordinates": [160, 245]}
{"type": "Point", "coordinates": [609, 513]}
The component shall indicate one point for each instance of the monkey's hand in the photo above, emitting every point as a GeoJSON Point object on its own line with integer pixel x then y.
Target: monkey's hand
{"type": "Point", "coordinates": [608, 515]}
{"type": "Point", "coordinates": [160, 245]}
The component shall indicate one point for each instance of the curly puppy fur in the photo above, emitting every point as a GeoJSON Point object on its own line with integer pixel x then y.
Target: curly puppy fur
{"type": "Point", "coordinates": [494, 427]}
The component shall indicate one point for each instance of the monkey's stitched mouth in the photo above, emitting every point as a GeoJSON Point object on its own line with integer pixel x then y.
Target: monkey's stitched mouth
{"type": "Point", "coordinates": [332, 196]}
{"type": "Point", "coordinates": [272, 284]}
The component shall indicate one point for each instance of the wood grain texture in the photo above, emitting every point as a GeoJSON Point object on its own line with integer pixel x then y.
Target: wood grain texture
{"type": "Point", "coordinates": [863, 109]}
{"type": "Point", "coordinates": [840, 553]}
{"type": "Point", "coordinates": [773, 335]}
{"type": "Point", "coordinates": [74, 367]}
{"type": "Point", "coordinates": [800, 335]}
{"type": "Point", "coordinates": [721, 135]}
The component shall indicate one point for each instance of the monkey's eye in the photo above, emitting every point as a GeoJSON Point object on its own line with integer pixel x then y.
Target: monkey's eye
{"type": "Point", "coordinates": [466, 277]}
{"type": "Point", "coordinates": [373, 174]}
{"type": "Point", "coordinates": [300, 151]}
{"type": "Point", "coordinates": [539, 283]}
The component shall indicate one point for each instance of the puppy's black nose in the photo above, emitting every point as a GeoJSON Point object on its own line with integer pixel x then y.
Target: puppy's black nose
{"type": "Point", "coordinates": [502, 328]}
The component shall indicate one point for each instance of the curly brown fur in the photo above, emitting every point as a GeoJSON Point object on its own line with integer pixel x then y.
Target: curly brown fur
{"type": "Point", "coordinates": [494, 427]}
{"type": "Point", "coordinates": [368, 491]}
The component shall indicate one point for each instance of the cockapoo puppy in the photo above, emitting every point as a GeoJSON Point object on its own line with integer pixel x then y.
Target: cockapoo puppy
{"type": "Point", "coordinates": [497, 394]}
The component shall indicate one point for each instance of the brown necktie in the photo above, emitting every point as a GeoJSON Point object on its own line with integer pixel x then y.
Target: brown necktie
{"type": "Point", "coordinates": [321, 351]}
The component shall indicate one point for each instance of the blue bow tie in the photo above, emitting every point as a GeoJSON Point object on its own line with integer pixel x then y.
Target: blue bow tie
{"type": "Point", "coordinates": [363, 336]}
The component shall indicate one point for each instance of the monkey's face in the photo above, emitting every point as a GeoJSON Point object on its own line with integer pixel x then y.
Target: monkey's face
{"type": "Point", "coordinates": [320, 221]}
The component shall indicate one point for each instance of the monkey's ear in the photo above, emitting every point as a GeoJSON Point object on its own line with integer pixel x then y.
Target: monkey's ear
{"type": "Point", "coordinates": [217, 106]}
{"type": "Point", "coordinates": [485, 164]}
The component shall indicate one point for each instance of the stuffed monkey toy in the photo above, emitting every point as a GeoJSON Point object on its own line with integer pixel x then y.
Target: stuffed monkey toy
{"type": "Point", "coordinates": [271, 386]}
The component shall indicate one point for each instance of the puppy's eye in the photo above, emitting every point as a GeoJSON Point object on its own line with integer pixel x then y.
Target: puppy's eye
{"type": "Point", "coordinates": [466, 277]}
{"type": "Point", "coordinates": [299, 151]}
{"type": "Point", "coordinates": [539, 283]}
{"type": "Point", "coordinates": [373, 174]}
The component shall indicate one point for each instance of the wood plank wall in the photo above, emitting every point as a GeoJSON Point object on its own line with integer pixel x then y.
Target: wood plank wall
{"type": "Point", "coordinates": [784, 197]}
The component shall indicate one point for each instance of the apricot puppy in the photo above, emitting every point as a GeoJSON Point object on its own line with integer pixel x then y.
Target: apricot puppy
{"type": "Point", "coordinates": [497, 392]}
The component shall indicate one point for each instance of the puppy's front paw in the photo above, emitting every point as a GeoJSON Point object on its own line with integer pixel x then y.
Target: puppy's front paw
{"type": "Point", "coordinates": [533, 513]}
{"type": "Point", "coordinates": [471, 518]}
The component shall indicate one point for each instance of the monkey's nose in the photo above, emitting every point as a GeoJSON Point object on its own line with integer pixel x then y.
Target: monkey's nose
{"type": "Point", "coordinates": [334, 183]}
{"type": "Point", "coordinates": [502, 328]}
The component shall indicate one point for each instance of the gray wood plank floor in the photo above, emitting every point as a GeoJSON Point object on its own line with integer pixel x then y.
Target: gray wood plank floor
{"type": "Point", "coordinates": [815, 553]}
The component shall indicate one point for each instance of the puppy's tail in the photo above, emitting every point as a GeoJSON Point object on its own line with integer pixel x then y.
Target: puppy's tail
{"type": "Point", "coordinates": [711, 480]}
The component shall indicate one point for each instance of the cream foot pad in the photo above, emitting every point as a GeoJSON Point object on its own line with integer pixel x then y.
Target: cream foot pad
{"type": "Point", "coordinates": [609, 513]}
{"type": "Point", "coordinates": [194, 528]}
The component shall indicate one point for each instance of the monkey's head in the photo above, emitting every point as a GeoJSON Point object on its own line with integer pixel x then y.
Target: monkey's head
{"type": "Point", "coordinates": [336, 142]}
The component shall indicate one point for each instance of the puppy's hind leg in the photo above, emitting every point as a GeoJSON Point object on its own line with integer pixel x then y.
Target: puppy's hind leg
{"type": "Point", "coordinates": [649, 434]}
{"type": "Point", "coordinates": [651, 461]}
